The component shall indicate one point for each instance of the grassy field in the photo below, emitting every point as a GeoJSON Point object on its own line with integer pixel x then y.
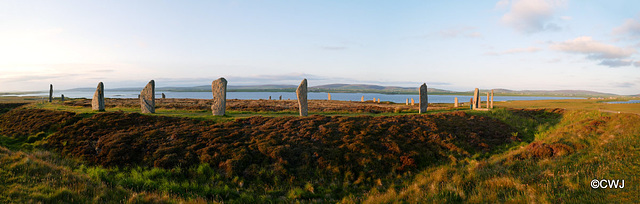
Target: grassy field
{"type": "Point", "coordinates": [575, 104]}
{"type": "Point", "coordinates": [522, 151]}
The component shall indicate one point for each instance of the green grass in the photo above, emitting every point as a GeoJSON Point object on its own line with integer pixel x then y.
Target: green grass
{"type": "Point", "coordinates": [559, 154]}
{"type": "Point", "coordinates": [576, 104]}
{"type": "Point", "coordinates": [601, 146]}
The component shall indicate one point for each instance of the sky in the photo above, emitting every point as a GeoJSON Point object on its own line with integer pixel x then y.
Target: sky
{"type": "Point", "coordinates": [452, 45]}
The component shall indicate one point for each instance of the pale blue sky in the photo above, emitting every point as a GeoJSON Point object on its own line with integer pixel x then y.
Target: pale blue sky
{"type": "Point", "coordinates": [454, 45]}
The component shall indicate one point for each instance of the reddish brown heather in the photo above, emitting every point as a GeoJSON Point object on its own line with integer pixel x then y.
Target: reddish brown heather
{"type": "Point", "coordinates": [24, 122]}
{"type": "Point", "coordinates": [260, 105]}
{"type": "Point", "coordinates": [285, 145]}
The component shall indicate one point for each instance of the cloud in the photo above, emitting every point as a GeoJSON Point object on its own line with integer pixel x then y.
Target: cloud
{"type": "Point", "coordinates": [502, 4]}
{"type": "Point", "coordinates": [593, 49]}
{"type": "Point", "coordinates": [466, 31]}
{"type": "Point", "coordinates": [630, 27]}
{"type": "Point", "coordinates": [623, 84]}
{"type": "Point", "coordinates": [566, 18]}
{"type": "Point", "coordinates": [531, 16]}
{"type": "Point", "coordinates": [616, 63]}
{"type": "Point", "coordinates": [515, 51]}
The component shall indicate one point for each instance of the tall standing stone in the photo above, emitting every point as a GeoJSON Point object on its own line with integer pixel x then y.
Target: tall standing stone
{"type": "Point", "coordinates": [301, 92]}
{"type": "Point", "coordinates": [455, 102]}
{"type": "Point", "coordinates": [362, 99]}
{"type": "Point", "coordinates": [476, 98]}
{"type": "Point", "coordinates": [412, 102]}
{"type": "Point", "coordinates": [269, 97]}
{"type": "Point", "coordinates": [488, 105]}
{"type": "Point", "coordinates": [62, 98]}
{"type": "Point", "coordinates": [406, 102]}
{"type": "Point", "coordinates": [424, 98]}
{"type": "Point", "coordinates": [50, 93]}
{"type": "Point", "coordinates": [471, 103]}
{"type": "Point", "coordinates": [163, 96]}
{"type": "Point", "coordinates": [378, 100]}
{"type": "Point", "coordinates": [374, 99]}
{"type": "Point", "coordinates": [328, 96]}
{"type": "Point", "coordinates": [148, 98]}
{"type": "Point", "coordinates": [219, 90]}
{"type": "Point", "coordinates": [97, 103]}
{"type": "Point", "coordinates": [491, 98]}
{"type": "Point", "coordinates": [280, 98]}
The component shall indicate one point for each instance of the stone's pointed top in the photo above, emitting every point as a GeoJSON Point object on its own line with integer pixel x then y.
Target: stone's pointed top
{"type": "Point", "coordinates": [304, 82]}
{"type": "Point", "coordinates": [222, 79]}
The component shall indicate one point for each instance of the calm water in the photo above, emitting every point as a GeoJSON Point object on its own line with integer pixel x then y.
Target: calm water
{"type": "Point", "coordinates": [397, 98]}
{"type": "Point", "coordinates": [621, 102]}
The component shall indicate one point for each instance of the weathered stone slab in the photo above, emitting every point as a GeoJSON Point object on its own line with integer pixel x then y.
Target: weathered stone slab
{"type": "Point", "coordinates": [471, 103]}
{"type": "Point", "coordinates": [280, 98]}
{"type": "Point", "coordinates": [50, 93]}
{"type": "Point", "coordinates": [476, 98]}
{"type": "Point", "coordinates": [62, 98]}
{"type": "Point", "coordinates": [328, 96]}
{"type": "Point", "coordinates": [488, 105]}
{"type": "Point", "coordinates": [491, 98]}
{"type": "Point", "coordinates": [148, 98]}
{"type": "Point", "coordinates": [455, 102]}
{"type": "Point", "coordinates": [378, 100]}
{"type": "Point", "coordinates": [362, 99]}
{"type": "Point", "coordinates": [412, 102]}
{"type": "Point", "coordinates": [424, 98]}
{"type": "Point", "coordinates": [97, 103]}
{"type": "Point", "coordinates": [301, 92]}
{"type": "Point", "coordinates": [269, 97]}
{"type": "Point", "coordinates": [406, 102]}
{"type": "Point", "coordinates": [219, 90]}
{"type": "Point", "coordinates": [163, 96]}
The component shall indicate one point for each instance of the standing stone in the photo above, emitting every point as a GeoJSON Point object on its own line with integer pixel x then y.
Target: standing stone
{"type": "Point", "coordinates": [476, 98]}
{"type": "Point", "coordinates": [488, 105]}
{"type": "Point", "coordinates": [362, 99]}
{"type": "Point", "coordinates": [97, 103]}
{"type": "Point", "coordinates": [163, 96]}
{"type": "Point", "coordinates": [378, 100]}
{"type": "Point", "coordinates": [50, 93]}
{"type": "Point", "coordinates": [269, 97]}
{"type": "Point", "coordinates": [62, 98]}
{"type": "Point", "coordinates": [374, 99]}
{"type": "Point", "coordinates": [424, 98]}
{"type": "Point", "coordinates": [280, 98]}
{"type": "Point", "coordinates": [412, 102]}
{"type": "Point", "coordinates": [491, 98]}
{"type": "Point", "coordinates": [328, 96]}
{"type": "Point", "coordinates": [219, 90]}
{"type": "Point", "coordinates": [455, 102]}
{"type": "Point", "coordinates": [301, 92]}
{"type": "Point", "coordinates": [406, 102]}
{"type": "Point", "coordinates": [148, 98]}
{"type": "Point", "coordinates": [471, 103]}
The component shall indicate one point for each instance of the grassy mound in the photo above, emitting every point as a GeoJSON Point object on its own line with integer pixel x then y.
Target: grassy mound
{"type": "Point", "coordinates": [557, 167]}
{"type": "Point", "coordinates": [271, 149]}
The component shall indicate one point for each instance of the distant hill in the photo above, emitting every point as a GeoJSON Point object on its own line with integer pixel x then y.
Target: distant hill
{"type": "Point", "coordinates": [577, 93]}
{"type": "Point", "coordinates": [368, 88]}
